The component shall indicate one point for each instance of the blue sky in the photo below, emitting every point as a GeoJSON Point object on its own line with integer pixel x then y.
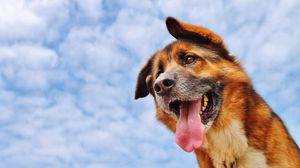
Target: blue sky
{"type": "Point", "coordinates": [68, 70]}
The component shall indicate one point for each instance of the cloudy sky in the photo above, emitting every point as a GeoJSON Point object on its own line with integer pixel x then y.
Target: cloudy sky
{"type": "Point", "coordinates": [68, 70]}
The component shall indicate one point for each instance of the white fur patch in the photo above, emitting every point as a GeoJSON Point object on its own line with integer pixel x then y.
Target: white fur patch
{"type": "Point", "coordinates": [253, 158]}
{"type": "Point", "coordinates": [225, 146]}
{"type": "Point", "coordinates": [229, 148]}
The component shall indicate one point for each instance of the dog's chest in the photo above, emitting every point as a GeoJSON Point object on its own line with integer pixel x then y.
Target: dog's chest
{"type": "Point", "coordinates": [229, 149]}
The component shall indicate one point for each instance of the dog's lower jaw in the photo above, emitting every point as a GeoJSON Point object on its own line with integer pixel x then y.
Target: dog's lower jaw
{"type": "Point", "coordinates": [219, 148]}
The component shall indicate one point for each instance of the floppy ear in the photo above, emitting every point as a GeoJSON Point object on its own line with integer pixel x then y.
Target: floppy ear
{"type": "Point", "coordinates": [142, 88]}
{"type": "Point", "coordinates": [202, 35]}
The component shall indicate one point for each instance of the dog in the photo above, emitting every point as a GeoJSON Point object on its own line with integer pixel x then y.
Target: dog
{"type": "Point", "coordinates": [205, 97]}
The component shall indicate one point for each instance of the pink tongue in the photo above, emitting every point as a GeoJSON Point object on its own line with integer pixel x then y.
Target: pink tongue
{"type": "Point", "coordinates": [189, 129]}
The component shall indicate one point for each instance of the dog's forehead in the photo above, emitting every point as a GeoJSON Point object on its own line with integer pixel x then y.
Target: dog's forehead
{"type": "Point", "coordinates": [176, 47]}
{"type": "Point", "coordinates": [171, 51]}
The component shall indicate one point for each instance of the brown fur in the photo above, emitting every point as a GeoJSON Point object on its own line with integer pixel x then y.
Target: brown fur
{"type": "Point", "coordinates": [246, 133]}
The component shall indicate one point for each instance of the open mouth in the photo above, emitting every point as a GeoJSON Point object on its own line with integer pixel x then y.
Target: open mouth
{"type": "Point", "coordinates": [207, 109]}
{"type": "Point", "coordinates": [193, 115]}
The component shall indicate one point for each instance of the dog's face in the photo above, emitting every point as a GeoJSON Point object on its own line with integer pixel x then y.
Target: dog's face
{"type": "Point", "coordinates": [187, 79]}
{"type": "Point", "coordinates": [183, 72]}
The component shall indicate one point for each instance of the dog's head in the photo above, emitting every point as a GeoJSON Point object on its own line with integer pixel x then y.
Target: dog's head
{"type": "Point", "coordinates": [187, 79]}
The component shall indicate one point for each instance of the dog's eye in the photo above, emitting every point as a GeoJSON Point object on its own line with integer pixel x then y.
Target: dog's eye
{"type": "Point", "coordinates": [189, 59]}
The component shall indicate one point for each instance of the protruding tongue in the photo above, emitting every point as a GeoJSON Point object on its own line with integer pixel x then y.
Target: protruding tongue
{"type": "Point", "coordinates": [189, 129]}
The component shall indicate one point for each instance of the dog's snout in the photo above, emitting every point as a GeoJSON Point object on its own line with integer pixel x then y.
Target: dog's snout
{"type": "Point", "coordinates": [163, 86]}
{"type": "Point", "coordinates": [168, 83]}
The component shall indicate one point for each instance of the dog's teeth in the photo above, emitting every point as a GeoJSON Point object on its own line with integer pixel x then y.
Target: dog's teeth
{"type": "Point", "coordinates": [205, 103]}
{"type": "Point", "coordinates": [205, 98]}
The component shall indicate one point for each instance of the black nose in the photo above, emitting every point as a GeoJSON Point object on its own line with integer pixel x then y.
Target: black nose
{"type": "Point", "coordinates": [163, 86]}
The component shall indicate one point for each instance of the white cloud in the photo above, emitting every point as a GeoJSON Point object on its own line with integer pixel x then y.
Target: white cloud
{"type": "Point", "coordinates": [32, 20]}
{"type": "Point", "coordinates": [91, 50]}
{"type": "Point", "coordinates": [90, 8]}
{"type": "Point", "coordinates": [55, 15]}
{"type": "Point", "coordinates": [28, 55]}
{"type": "Point", "coordinates": [18, 22]}
{"type": "Point", "coordinates": [135, 32]}
{"type": "Point", "coordinates": [25, 66]}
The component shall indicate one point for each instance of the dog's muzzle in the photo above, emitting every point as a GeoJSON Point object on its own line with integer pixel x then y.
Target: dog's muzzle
{"type": "Point", "coordinates": [174, 88]}
{"type": "Point", "coordinates": [164, 84]}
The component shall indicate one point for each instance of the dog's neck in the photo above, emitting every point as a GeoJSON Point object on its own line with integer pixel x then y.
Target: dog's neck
{"type": "Point", "coordinates": [225, 146]}
{"type": "Point", "coordinates": [226, 141]}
